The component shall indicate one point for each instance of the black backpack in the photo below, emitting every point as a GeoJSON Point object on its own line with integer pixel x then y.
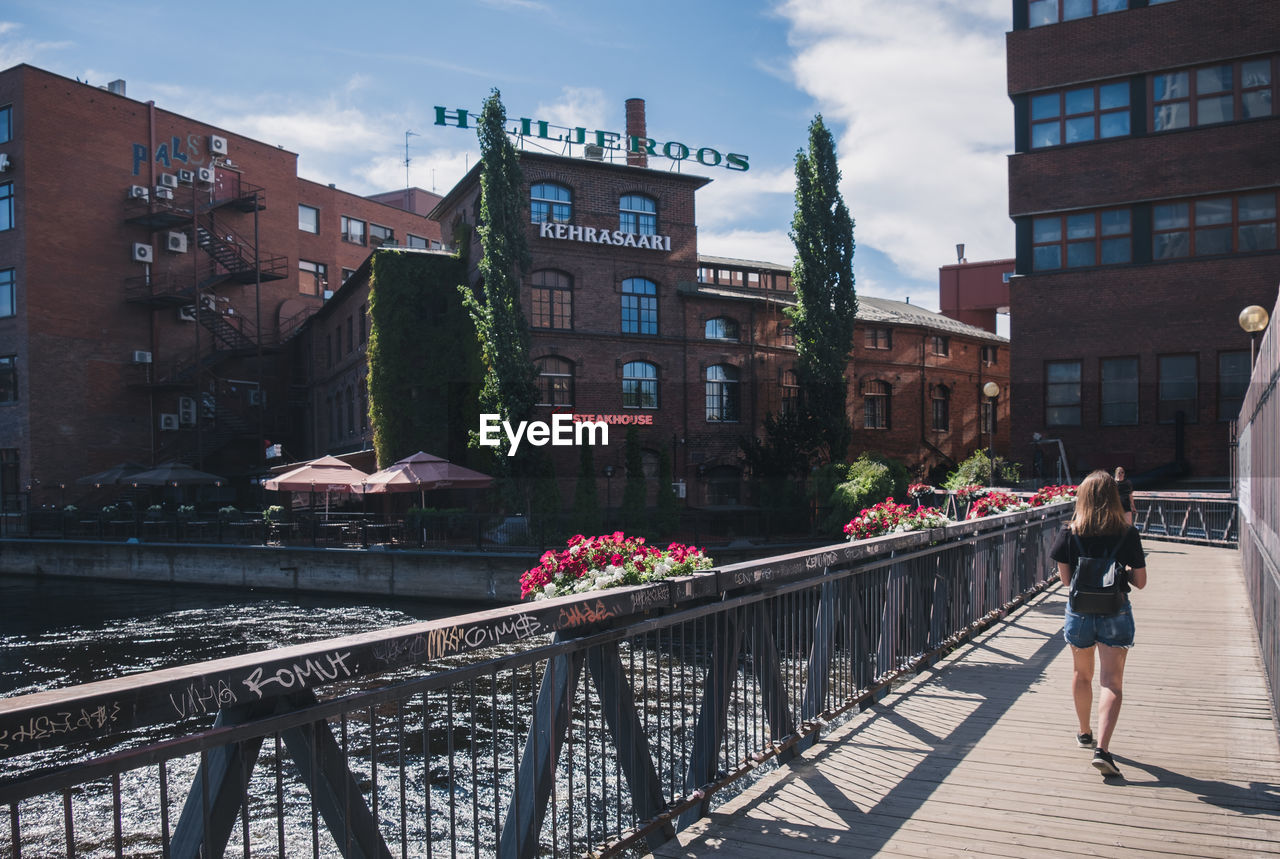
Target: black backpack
{"type": "Point", "coordinates": [1097, 585]}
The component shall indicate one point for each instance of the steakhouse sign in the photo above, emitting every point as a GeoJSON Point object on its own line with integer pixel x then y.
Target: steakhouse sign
{"type": "Point", "coordinates": [540, 129]}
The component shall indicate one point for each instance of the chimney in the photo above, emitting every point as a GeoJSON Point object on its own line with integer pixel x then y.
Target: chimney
{"type": "Point", "coordinates": [636, 128]}
{"type": "Point", "coordinates": [116, 86]}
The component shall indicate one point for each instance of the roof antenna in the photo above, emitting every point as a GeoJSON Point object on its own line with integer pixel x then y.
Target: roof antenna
{"type": "Point", "coordinates": [407, 135]}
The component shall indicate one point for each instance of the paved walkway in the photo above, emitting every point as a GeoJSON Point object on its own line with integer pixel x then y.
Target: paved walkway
{"type": "Point", "coordinates": [978, 756]}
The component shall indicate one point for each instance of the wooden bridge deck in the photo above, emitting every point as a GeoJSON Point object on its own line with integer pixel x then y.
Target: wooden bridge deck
{"type": "Point", "coordinates": [979, 756]}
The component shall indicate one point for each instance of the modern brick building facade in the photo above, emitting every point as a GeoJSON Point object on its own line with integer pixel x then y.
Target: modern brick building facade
{"type": "Point", "coordinates": [1143, 189]}
{"type": "Point", "coordinates": [152, 267]}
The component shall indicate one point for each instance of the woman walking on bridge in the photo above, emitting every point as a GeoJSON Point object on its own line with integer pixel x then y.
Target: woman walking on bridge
{"type": "Point", "coordinates": [1100, 530]}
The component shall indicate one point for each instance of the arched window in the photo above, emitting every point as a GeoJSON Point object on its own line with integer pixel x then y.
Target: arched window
{"type": "Point", "coordinates": [639, 385]}
{"type": "Point", "coordinates": [876, 397]}
{"type": "Point", "coordinates": [722, 393]}
{"type": "Point", "coordinates": [722, 328]}
{"type": "Point", "coordinates": [639, 306]}
{"type": "Point", "coordinates": [552, 300]}
{"type": "Point", "coordinates": [638, 214]}
{"type": "Point", "coordinates": [555, 381]}
{"type": "Point", "coordinates": [941, 408]}
{"type": "Point", "coordinates": [550, 202]}
{"type": "Point", "coordinates": [790, 393]}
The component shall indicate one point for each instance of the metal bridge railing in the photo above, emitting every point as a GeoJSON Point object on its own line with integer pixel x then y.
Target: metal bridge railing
{"type": "Point", "coordinates": [588, 723]}
{"type": "Point", "coordinates": [1208, 518]}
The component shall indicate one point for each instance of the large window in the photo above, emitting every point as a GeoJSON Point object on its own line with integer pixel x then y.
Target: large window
{"type": "Point", "coordinates": [1042, 12]}
{"type": "Point", "coordinates": [638, 214]}
{"type": "Point", "coordinates": [875, 399]}
{"type": "Point", "coordinates": [8, 378]}
{"type": "Point", "coordinates": [6, 124]}
{"type": "Point", "coordinates": [313, 277]}
{"type": "Point", "coordinates": [416, 242]}
{"type": "Point", "coordinates": [555, 382]}
{"type": "Point", "coordinates": [550, 202]}
{"type": "Point", "coordinates": [639, 385]}
{"type": "Point", "coordinates": [878, 338]}
{"type": "Point", "coordinates": [8, 299]}
{"type": "Point", "coordinates": [1212, 94]}
{"type": "Point", "coordinates": [1119, 392]}
{"type": "Point", "coordinates": [722, 393]}
{"type": "Point", "coordinates": [1062, 393]}
{"type": "Point", "coordinates": [552, 300]}
{"type": "Point", "coordinates": [1218, 225]}
{"type": "Point", "coordinates": [940, 345]}
{"type": "Point", "coordinates": [1078, 115]}
{"type": "Point", "coordinates": [1178, 388]}
{"type": "Point", "coordinates": [941, 409]}
{"type": "Point", "coordinates": [6, 206]}
{"type": "Point", "coordinates": [380, 235]}
{"type": "Point", "coordinates": [1233, 381]}
{"type": "Point", "coordinates": [1082, 239]}
{"type": "Point", "coordinates": [790, 393]}
{"type": "Point", "coordinates": [353, 230]}
{"type": "Point", "coordinates": [639, 306]}
{"type": "Point", "coordinates": [990, 356]}
{"type": "Point", "coordinates": [722, 328]}
{"type": "Point", "coordinates": [308, 219]}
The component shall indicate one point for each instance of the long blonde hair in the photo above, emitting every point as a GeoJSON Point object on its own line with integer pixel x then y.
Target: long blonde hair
{"type": "Point", "coordinates": [1098, 508]}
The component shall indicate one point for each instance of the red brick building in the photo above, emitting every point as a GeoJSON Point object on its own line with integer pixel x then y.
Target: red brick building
{"type": "Point", "coordinates": [1143, 189]}
{"type": "Point", "coordinates": [152, 267]}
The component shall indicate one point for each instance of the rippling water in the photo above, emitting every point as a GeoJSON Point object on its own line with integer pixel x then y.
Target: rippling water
{"type": "Point", "coordinates": [62, 632]}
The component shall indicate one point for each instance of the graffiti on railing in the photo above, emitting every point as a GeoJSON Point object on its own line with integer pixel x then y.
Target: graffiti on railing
{"type": "Point", "coordinates": [201, 698]}
{"type": "Point", "coordinates": [310, 672]}
{"type": "Point", "coordinates": [44, 727]}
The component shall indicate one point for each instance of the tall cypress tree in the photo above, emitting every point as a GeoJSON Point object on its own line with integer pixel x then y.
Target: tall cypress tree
{"type": "Point", "coordinates": [510, 386]}
{"type": "Point", "coordinates": [823, 317]}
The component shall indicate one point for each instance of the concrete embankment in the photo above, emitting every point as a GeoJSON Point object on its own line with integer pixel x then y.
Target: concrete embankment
{"type": "Point", "coordinates": [471, 576]}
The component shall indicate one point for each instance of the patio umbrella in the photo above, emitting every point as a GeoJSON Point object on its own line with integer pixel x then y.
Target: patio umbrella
{"type": "Point", "coordinates": [421, 472]}
{"type": "Point", "coordinates": [327, 473]}
{"type": "Point", "coordinates": [172, 474]}
{"type": "Point", "coordinates": [115, 474]}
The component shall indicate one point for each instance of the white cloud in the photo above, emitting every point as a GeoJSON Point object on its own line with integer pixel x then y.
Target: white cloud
{"type": "Point", "coordinates": [15, 50]}
{"type": "Point", "coordinates": [925, 118]}
{"type": "Point", "coordinates": [735, 197]}
{"type": "Point", "coordinates": [576, 106]}
{"type": "Point", "coordinates": [759, 245]}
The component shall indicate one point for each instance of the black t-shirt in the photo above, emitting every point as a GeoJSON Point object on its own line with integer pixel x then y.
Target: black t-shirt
{"type": "Point", "coordinates": [1126, 494]}
{"type": "Point", "coordinates": [1130, 554]}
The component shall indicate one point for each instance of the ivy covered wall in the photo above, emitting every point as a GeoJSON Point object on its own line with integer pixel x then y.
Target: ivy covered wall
{"type": "Point", "coordinates": [424, 360]}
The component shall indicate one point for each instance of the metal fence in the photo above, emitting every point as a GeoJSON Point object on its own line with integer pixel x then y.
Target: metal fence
{"type": "Point", "coordinates": [1207, 518]}
{"type": "Point", "coordinates": [1258, 491]}
{"type": "Point", "coordinates": [600, 722]}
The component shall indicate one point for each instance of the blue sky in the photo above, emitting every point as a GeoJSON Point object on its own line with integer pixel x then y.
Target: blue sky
{"type": "Point", "coordinates": [913, 89]}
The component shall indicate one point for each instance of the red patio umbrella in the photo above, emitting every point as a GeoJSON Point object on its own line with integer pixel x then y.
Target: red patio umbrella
{"type": "Point", "coordinates": [328, 473]}
{"type": "Point", "coordinates": [421, 472]}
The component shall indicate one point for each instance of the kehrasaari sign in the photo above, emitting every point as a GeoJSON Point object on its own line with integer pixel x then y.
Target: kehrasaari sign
{"type": "Point", "coordinates": [539, 129]}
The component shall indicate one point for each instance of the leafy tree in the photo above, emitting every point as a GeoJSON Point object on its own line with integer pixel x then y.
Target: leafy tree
{"type": "Point", "coordinates": [587, 516]}
{"type": "Point", "coordinates": [826, 303]}
{"type": "Point", "coordinates": [778, 461]}
{"type": "Point", "coordinates": [510, 380]}
{"type": "Point", "coordinates": [636, 489]}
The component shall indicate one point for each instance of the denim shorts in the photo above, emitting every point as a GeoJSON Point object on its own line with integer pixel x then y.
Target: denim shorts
{"type": "Point", "coordinates": [1113, 630]}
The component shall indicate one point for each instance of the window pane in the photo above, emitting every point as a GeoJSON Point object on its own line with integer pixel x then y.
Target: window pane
{"type": "Point", "coordinates": [1113, 95]}
{"type": "Point", "coordinates": [1170, 216]}
{"type": "Point", "coordinates": [1063, 371]}
{"type": "Point", "coordinates": [1079, 101]}
{"type": "Point", "coordinates": [1080, 226]}
{"type": "Point", "coordinates": [1079, 254]}
{"type": "Point", "coordinates": [1072, 9]}
{"type": "Point", "coordinates": [1257, 104]}
{"type": "Point", "coordinates": [1213, 211]}
{"type": "Point", "coordinates": [1116, 251]}
{"type": "Point", "coordinates": [1114, 125]}
{"type": "Point", "coordinates": [1046, 134]}
{"type": "Point", "coordinates": [1215, 241]}
{"type": "Point", "coordinates": [1041, 12]}
{"type": "Point", "coordinates": [8, 307]}
{"type": "Point", "coordinates": [1258, 237]}
{"type": "Point", "coordinates": [1216, 109]}
{"type": "Point", "coordinates": [1177, 377]}
{"type": "Point", "coordinates": [1119, 391]}
{"type": "Point", "coordinates": [1047, 229]}
{"type": "Point", "coordinates": [308, 219]}
{"type": "Point", "coordinates": [1115, 222]}
{"type": "Point", "coordinates": [1048, 257]}
{"type": "Point", "coordinates": [1214, 79]}
{"type": "Point", "coordinates": [1079, 129]}
{"type": "Point", "coordinates": [1258, 207]}
{"type": "Point", "coordinates": [1170, 245]}
{"type": "Point", "coordinates": [1105, 6]}
{"type": "Point", "coordinates": [1063, 416]}
{"type": "Point", "coordinates": [1170, 86]}
{"type": "Point", "coordinates": [1044, 106]}
{"type": "Point", "coordinates": [1176, 115]}
{"type": "Point", "coordinates": [1255, 73]}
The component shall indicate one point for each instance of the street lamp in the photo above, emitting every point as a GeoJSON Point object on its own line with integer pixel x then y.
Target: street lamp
{"type": "Point", "coordinates": [991, 390]}
{"type": "Point", "coordinates": [1254, 319]}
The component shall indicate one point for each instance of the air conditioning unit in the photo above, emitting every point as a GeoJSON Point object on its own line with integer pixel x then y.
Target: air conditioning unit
{"type": "Point", "coordinates": [143, 252]}
{"type": "Point", "coordinates": [185, 176]}
{"type": "Point", "coordinates": [187, 411]}
{"type": "Point", "coordinates": [217, 145]}
{"type": "Point", "coordinates": [163, 193]}
{"type": "Point", "coordinates": [168, 421]}
{"type": "Point", "coordinates": [168, 180]}
{"type": "Point", "coordinates": [140, 357]}
{"type": "Point", "coordinates": [139, 192]}
{"type": "Point", "coordinates": [205, 175]}
{"type": "Point", "coordinates": [176, 242]}
{"type": "Point", "coordinates": [187, 313]}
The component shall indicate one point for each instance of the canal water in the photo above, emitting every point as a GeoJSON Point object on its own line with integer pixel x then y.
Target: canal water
{"type": "Point", "coordinates": [63, 632]}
